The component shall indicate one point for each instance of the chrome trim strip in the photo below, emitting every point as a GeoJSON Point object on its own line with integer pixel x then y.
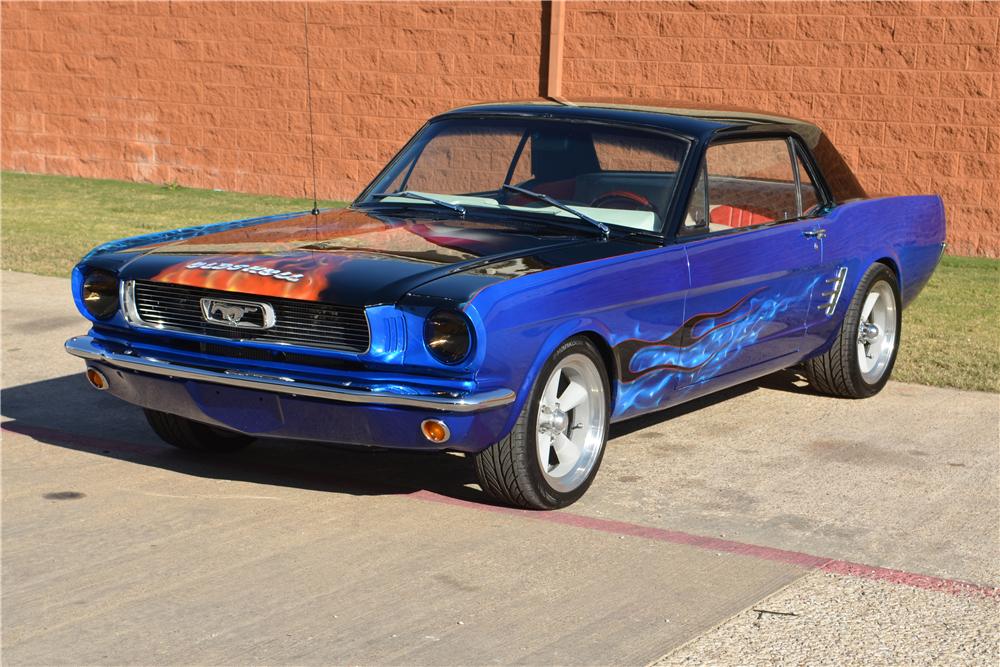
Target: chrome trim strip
{"type": "Point", "coordinates": [127, 298]}
{"type": "Point", "coordinates": [89, 349]}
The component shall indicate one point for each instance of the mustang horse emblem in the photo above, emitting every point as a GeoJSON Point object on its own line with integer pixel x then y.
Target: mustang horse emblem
{"type": "Point", "coordinates": [233, 312]}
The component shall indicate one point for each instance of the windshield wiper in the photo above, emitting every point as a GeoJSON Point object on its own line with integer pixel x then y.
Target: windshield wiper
{"type": "Point", "coordinates": [605, 230]}
{"type": "Point", "coordinates": [416, 195]}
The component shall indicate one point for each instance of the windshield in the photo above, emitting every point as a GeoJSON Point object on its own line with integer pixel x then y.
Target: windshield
{"type": "Point", "coordinates": [618, 176]}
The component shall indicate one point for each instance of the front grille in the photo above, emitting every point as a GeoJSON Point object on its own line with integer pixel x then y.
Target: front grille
{"type": "Point", "coordinates": [305, 323]}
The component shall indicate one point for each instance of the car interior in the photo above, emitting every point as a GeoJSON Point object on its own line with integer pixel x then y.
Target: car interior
{"type": "Point", "coordinates": [566, 165]}
{"type": "Point", "coordinates": [618, 177]}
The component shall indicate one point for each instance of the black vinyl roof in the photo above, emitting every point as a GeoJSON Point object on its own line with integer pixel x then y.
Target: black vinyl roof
{"type": "Point", "coordinates": [699, 122]}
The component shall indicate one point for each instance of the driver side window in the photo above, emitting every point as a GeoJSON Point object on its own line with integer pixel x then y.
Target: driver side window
{"type": "Point", "coordinates": [744, 184]}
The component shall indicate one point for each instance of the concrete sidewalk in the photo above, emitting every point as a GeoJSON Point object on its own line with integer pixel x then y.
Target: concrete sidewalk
{"type": "Point", "coordinates": [119, 549]}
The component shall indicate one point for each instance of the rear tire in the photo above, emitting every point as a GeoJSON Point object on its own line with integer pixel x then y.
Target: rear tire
{"type": "Point", "coordinates": [555, 449]}
{"type": "Point", "coordinates": [860, 361]}
{"type": "Point", "coordinates": [195, 436]}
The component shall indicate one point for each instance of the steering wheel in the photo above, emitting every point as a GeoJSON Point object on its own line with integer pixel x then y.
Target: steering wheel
{"type": "Point", "coordinates": [632, 198]}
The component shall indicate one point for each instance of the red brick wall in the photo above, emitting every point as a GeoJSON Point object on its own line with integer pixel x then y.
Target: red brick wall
{"type": "Point", "coordinates": [908, 91]}
{"type": "Point", "coordinates": [213, 94]}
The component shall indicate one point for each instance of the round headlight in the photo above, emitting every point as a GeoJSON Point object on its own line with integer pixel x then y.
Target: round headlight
{"type": "Point", "coordinates": [100, 293]}
{"type": "Point", "coordinates": [447, 336]}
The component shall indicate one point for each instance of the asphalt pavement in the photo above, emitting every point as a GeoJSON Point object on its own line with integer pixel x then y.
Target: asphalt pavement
{"type": "Point", "coordinates": [766, 524]}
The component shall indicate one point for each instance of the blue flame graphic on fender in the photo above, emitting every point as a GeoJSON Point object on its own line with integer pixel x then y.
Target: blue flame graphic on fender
{"type": "Point", "coordinates": [703, 344]}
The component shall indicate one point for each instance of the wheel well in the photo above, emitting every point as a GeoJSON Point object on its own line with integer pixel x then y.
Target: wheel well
{"type": "Point", "coordinates": [607, 355]}
{"type": "Point", "coordinates": [895, 269]}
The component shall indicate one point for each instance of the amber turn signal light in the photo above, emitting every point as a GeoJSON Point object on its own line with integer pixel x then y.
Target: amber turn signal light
{"type": "Point", "coordinates": [96, 379]}
{"type": "Point", "coordinates": [435, 430]}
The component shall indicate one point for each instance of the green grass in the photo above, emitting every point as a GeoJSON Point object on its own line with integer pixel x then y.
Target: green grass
{"type": "Point", "coordinates": [50, 222]}
{"type": "Point", "coordinates": [951, 333]}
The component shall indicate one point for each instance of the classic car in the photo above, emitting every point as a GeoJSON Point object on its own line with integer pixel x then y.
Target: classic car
{"type": "Point", "coordinates": [518, 277]}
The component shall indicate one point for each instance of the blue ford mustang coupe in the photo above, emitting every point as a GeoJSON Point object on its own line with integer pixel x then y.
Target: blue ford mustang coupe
{"type": "Point", "coordinates": [518, 277]}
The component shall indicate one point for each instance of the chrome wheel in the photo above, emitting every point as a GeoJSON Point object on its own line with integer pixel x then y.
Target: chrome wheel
{"type": "Point", "coordinates": [877, 332]}
{"type": "Point", "coordinates": [569, 426]}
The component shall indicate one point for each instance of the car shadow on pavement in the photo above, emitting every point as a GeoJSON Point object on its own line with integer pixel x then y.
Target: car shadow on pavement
{"type": "Point", "coordinates": [66, 412]}
{"type": "Point", "coordinates": [789, 380]}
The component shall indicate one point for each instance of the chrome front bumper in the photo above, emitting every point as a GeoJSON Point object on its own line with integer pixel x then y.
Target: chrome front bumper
{"type": "Point", "coordinates": [89, 349]}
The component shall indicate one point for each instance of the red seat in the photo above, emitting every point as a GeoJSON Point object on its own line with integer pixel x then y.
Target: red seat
{"type": "Point", "coordinates": [730, 216]}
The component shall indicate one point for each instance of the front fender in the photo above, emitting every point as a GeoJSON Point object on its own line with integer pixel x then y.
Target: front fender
{"type": "Point", "coordinates": [639, 295]}
{"type": "Point", "coordinates": [556, 337]}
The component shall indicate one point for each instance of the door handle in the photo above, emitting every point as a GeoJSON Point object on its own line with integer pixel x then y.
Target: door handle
{"type": "Point", "coordinates": [818, 233]}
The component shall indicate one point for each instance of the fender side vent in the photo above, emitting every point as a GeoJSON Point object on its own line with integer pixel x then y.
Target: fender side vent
{"type": "Point", "coordinates": [833, 294]}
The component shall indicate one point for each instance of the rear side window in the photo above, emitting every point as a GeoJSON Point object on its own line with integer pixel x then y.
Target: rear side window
{"type": "Point", "coordinates": [749, 183]}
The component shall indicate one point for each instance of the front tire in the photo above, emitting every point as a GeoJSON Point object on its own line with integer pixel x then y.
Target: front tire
{"type": "Point", "coordinates": [186, 434]}
{"type": "Point", "coordinates": [860, 361]}
{"type": "Point", "coordinates": [554, 451]}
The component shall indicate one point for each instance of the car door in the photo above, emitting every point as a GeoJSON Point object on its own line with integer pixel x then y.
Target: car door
{"type": "Point", "coordinates": [754, 262]}
{"type": "Point", "coordinates": [829, 291]}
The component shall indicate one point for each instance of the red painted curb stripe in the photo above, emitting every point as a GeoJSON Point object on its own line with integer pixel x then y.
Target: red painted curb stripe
{"type": "Point", "coordinates": [644, 532]}
{"type": "Point", "coordinates": [911, 579]}
{"type": "Point", "coordinates": [808, 561]}
{"type": "Point", "coordinates": [797, 558]}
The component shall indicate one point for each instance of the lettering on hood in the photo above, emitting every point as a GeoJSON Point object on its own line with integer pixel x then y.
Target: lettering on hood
{"type": "Point", "coordinates": [247, 268]}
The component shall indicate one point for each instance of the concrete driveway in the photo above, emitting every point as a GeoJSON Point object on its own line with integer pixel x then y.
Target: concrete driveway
{"type": "Point", "coordinates": [764, 524]}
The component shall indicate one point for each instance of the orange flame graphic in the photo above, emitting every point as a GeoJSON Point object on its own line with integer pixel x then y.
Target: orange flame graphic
{"type": "Point", "coordinates": [300, 275]}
